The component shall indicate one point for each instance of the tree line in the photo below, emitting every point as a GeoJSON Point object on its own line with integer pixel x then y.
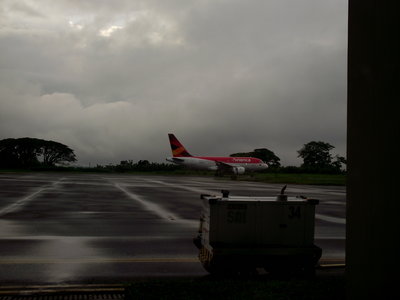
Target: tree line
{"type": "Point", "coordinates": [316, 159]}
{"type": "Point", "coordinates": [140, 166]}
{"type": "Point", "coordinates": [315, 154]}
{"type": "Point", "coordinates": [32, 152]}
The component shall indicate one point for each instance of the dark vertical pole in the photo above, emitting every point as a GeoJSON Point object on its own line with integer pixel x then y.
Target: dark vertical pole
{"type": "Point", "coordinates": [373, 132]}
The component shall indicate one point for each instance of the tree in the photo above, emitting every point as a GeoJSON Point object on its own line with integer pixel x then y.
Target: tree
{"type": "Point", "coordinates": [18, 153]}
{"type": "Point", "coordinates": [8, 156]}
{"type": "Point", "coordinates": [267, 156]}
{"type": "Point", "coordinates": [30, 152]}
{"type": "Point", "coordinates": [339, 162]}
{"type": "Point", "coordinates": [316, 157]}
{"type": "Point", "coordinates": [56, 153]}
{"type": "Point", "coordinates": [262, 153]}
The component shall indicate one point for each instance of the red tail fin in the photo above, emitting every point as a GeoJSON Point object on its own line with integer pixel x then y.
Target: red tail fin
{"type": "Point", "coordinates": [178, 150]}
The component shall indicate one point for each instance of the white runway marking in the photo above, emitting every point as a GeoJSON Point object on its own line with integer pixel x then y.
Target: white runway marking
{"type": "Point", "coordinates": [187, 188]}
{"type": "Point", "coordinates": [199, 191]}
{"type": "Point", "coordinates": [63, 238]}
{"type": "Point", "coordinates": [331, 219]}
{"type": "Point", "coordinates": [327, 237]}
{"type": "Point", "coordinates": [21, 202]}
{"type": "Point", "coordinates": [158, 210]}
{"type": "Point", "coordinates": [34, 260]}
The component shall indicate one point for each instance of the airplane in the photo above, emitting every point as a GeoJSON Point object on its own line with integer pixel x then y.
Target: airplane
{"type": "Point", "coordinates": [235, 165]}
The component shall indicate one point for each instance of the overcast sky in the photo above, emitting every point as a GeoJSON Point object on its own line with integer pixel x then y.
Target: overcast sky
{"type": "Point", "coordinates": [111, 79]}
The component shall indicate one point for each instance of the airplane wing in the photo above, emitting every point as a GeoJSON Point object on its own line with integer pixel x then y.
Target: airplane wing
{"type": "Point", "coordinates": [228, 168]}
{"type": "Point", "coordinates": [175, 159]}
{"type": "Point", "coordinates": [223, 166]}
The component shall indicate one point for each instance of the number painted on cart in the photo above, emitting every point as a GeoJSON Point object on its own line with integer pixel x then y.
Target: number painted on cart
{"type": "Point", "coordinates": [237, 216]}
{"type": "Point", "coordinates": [294, 212]}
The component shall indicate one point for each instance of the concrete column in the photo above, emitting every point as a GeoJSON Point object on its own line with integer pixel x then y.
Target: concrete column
{"type": "Point", "coordinates": [373, 132]}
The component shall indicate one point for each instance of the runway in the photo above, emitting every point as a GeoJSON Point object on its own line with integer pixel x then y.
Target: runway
{"type": "Point", "coordinates": [88, 228]}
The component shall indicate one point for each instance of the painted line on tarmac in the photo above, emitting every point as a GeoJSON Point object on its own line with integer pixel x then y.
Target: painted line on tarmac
{"type": "Point", "coordinates": [328, 260]}
{"type": "Point", "coordinates": [94, 285]}
{"type": "Point", "coordinates": [89, 238]}
{"type": "Point", "coordinates": [332, 263]}
{"type": "Point", "coordinates": [29, 261]}
{"type": "Point", "coordinates": [327, 237]}
{"type": "Point", "coordinates": [29, 291]}
{"type": "Point", "coordinates": [158, 210]}
{"type": "Point", "coordinates": [87, 183]}
{"type": "Point", "coordinates": [21, 202]}
{"type": "Point", "coordinates": [187, 188]}
{"type": "Point", "coordinates": [324, 266]}
{"type": "Point", "coordinates": [333, 202]}
{"type": "Point", "coordinates": [199, 191]}
{"type": "Point", "coordinates": [161, 212]}
{"type": "Point", "coordinates": [331, 219]}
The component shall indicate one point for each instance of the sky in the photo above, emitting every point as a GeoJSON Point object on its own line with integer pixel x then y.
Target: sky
{"type": "Point", "coordinates": [111, 79]}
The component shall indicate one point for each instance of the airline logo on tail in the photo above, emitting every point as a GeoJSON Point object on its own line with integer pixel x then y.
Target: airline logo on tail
{"type": "Point", "coordinates": [178, 150]}
{"type": "Point", "coordinates": [235, 165]}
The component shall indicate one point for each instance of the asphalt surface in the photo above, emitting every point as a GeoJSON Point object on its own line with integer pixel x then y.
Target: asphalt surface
{"type": "Point", "coordinates": [58, 228]}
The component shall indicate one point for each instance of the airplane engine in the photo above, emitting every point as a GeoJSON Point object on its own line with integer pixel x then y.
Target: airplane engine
{"type": "Point", "coordinates": [238, 170]}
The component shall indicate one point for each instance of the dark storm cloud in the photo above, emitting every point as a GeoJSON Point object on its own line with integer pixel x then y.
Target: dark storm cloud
{"type": "Point", "coordinates": [112, 78]}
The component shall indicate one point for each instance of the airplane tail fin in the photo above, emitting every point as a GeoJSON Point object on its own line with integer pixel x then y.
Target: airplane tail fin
{"type": "Point", "coordinates": [178, 150]}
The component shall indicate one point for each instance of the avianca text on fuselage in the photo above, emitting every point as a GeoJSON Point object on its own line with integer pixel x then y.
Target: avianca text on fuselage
{"type": "Point", "coordinates": [235, 165]}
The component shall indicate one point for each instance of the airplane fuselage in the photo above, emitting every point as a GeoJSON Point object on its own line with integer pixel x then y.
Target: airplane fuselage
{"type": "Point", "coordinates": [211, 163]}
{"type": "Point", "coordinates": [235, 165]}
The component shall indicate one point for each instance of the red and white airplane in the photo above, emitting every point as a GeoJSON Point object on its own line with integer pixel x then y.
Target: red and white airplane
{"type": "Point", "coordinates": [235, 165]}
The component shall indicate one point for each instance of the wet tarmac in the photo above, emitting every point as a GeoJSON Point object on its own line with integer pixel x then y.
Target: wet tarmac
{"type": "Point", "coordinates": [88, 228]}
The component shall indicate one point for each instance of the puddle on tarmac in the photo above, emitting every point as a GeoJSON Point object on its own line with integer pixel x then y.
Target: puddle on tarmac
{"type": "Point", "coordinates": [67, 256]}
{"type": "Point", "coordinates": [62, 257]}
